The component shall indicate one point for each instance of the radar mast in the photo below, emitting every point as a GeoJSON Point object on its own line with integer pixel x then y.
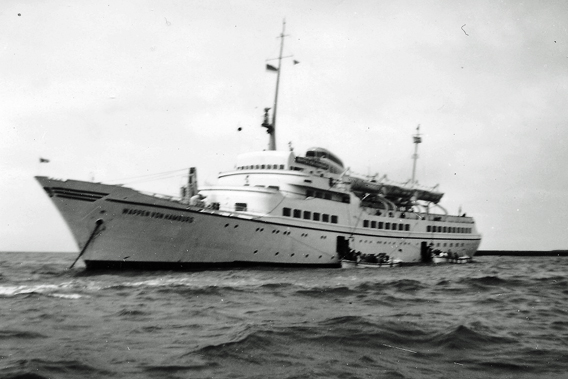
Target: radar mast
{"type": "Point", "coordinates": [271, 127]}
{"type": "Point", "coordinates": [417, 138]}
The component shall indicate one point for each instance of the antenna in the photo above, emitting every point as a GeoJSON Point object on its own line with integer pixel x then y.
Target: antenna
{"type": "Point", "coordinates": [417, 139]}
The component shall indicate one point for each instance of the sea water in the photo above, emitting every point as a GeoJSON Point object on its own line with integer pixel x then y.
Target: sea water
{"type": "Point", "coordinates": [498, 317]}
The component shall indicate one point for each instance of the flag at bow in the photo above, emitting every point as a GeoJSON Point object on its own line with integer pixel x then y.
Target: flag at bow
{"type": "Point", "coordinates": [43, 160]}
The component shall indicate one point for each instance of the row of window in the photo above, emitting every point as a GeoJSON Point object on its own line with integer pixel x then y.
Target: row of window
{"type": "Point", "coordinates": [447, 229]}
{"type": "Point", "coordinates": [327, 195]}
{"type": "Point", "coordinates": [307, 215]}
{"type": "Point", "coordinates": [398, 243]}
{"type": "Point", "coordinates": [262, 167]}
{"type": "Point", "coordinates": [406, 227]}
{"type": "Point", "coordinates": [385, 225]}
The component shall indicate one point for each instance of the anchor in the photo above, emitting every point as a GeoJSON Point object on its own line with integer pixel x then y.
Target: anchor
{"type": "Point", "coordinates": [98, 224]}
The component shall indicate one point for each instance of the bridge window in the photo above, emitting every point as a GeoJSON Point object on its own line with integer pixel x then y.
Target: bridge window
{"type": "Point", "coordinates": [325, 217]}
{"type": "Point", "coordinates": [307, 215]}
{"type": "Point", "coordinates": [334, 219]}
{"type": "Point", "coordinates": [297, 213]}
{"type": "Point", "coordinates": [240, 207]}
{"type": "Point", "coordinates": [316, 216]}
{"type": "Point", "coordinates": [373, 224]}
{"type": "Point", "coordinates": [365, 223]}
{"type": "Point", "coordinates": [287, 212]}
{"type": "Point", "coordinates": [394, 226]}
{"type": "Point", "coordinates": [387, 225]}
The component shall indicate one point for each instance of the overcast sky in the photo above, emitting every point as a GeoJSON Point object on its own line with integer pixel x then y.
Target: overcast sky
{"type": "Point", "coordinates": [110, 90]}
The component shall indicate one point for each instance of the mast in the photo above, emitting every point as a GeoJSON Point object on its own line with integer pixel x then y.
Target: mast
{"type": "Point", "coordinates": [417, 139]}
{"type": "Point", "coordinates": [271, 127]}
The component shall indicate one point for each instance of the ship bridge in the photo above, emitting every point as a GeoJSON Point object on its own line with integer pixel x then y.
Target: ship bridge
{"type": "Point", "coordinates": [322, 158]}
{"type": "Point", "coordinates": [316, 158]}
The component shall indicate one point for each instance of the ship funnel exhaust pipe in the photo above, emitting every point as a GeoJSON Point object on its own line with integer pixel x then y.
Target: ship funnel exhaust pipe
{"type": "Point", "coordinates": [190, 189]}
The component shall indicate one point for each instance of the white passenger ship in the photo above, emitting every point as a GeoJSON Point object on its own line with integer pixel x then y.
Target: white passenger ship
{"type": "Point", "coordinates": [273, 208]}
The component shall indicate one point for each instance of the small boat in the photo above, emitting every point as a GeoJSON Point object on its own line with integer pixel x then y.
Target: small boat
{"type": "Point", "coordinates": [439, 259]}
{"type": "Point", "coordinates": [348, 263]}
{"type": "Point", "coordinates": [464, 259]}
{"type": "Point", "coordinates": [393, 263]}
{"type": "Point", "coordinates": [444, 258]}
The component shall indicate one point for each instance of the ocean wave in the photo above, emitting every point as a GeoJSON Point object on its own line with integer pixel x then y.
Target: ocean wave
{"type": "Point", "coordinates": [182, 286]}
{"type": "Point", "coordinates": [401, 285]}
{"type": "Point", "coordinates": [491, 280]}
{"type": "Point", "coordinates": [52, 290]}
{"type": "Point", "coordinates": [37, 368]}
{"type": "Point", "coordinates": [131, 314]}
{"type": "Point", "coordinates": [231, 344]}
{"type": "Point", "coordinates": [20, 334]}
{"type": "Point", "coordinates": [26, 375]}
{"type": "Point", "coordinates": [173, 369]}
{"type": "Point", "coordinates": [276, 285]}
{"type": "Point", "coordinates": [463, 338]}
{"type": "Point", "coordinates": [559, 325]}
{"type": "Point", "coordinates": [325, 291]}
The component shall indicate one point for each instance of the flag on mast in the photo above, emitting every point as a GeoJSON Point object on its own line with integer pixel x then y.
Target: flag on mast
{"type": "Point", "coordinates": [270, 67]}
{"type": "Point", "coordinates": [43, 160]}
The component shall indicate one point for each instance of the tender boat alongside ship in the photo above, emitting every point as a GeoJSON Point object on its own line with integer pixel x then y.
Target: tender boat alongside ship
{"type": "Point", "coordinates": [273, 208]}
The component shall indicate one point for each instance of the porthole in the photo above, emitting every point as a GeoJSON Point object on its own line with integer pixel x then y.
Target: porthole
{"type": "Point", "coordinates": [226, 225]}
{"type": "Point", "coordinates": [236, 226]}
{"type": "Point", "coordinates": [319, 257]}
{"type": "Point", "coordinates": [307, 255]}
{"type": "Point", "coordinates": [292, 254]}
{"type": "Point", "coordinates": [277, 253]}
{"type": "Point", "coordinates": [256, 251]}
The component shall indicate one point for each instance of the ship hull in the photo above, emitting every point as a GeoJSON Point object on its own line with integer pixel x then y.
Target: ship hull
{"type": "Point", "coordinates": [118, 227]}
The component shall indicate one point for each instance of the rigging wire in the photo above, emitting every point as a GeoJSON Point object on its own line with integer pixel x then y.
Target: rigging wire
{"type": "Point", "coordinates": [150, 177]}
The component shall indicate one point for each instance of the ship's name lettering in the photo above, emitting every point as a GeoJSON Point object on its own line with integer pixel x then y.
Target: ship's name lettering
{"type": "Point", "coordinates": [159, 215]}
